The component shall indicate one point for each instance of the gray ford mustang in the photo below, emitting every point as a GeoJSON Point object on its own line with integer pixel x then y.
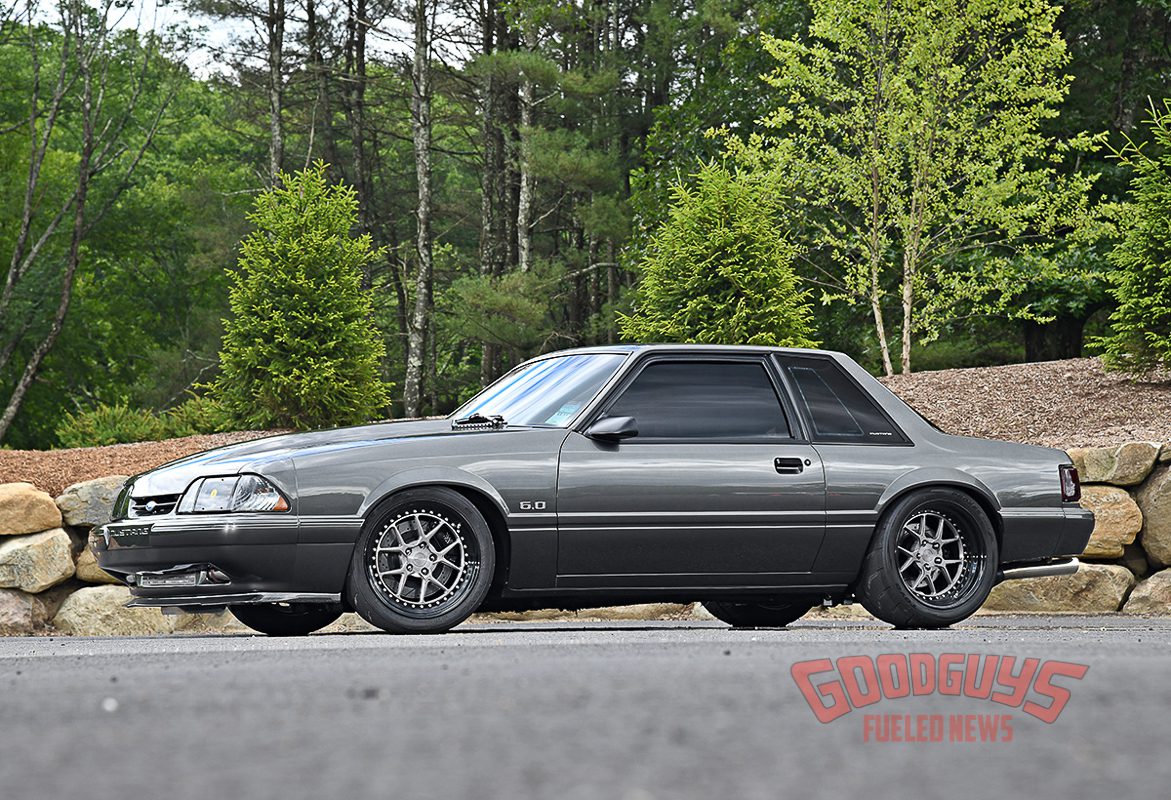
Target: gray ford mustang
{"type": "Point", "coordinates": [758, 481]}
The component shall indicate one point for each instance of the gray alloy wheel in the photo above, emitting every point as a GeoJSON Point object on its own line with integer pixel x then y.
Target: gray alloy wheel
{"type": "Point", "coordinates": [423, 563]}
{"type": "Point", "coordinates": [932, 561]}
{"type": "Point", "coordinates": [758, 615]}
{"type": "Point", "coordinates": [286, 619]}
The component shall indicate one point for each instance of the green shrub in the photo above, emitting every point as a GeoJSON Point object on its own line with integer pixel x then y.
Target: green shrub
{"type": "Point", "coordinates": [194, 416]}
{"type": "Point", "coordinates": [1140, 339]}
{"type": "Point", "coordinates": [105, 424]}
{"type": "Point", "coordinates": [300, 350]}
{"type": "Point", "coordinates": [720, 269]}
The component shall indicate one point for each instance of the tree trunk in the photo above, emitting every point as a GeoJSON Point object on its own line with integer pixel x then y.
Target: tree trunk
{"type": "Point", "coordinates": [321, 106]}
{"type": "Point", "coordinates": [275, 25]}
{"type": "Point", "coordinates": [421, 128]}
{"type": "Point", "coordinates": [493, 182]}
{"type": "Point", "coordinates": [524, 203]}
{"type": "Point", "coordinates": [356, 105]}
{"type": "Point", "coordinates": [908, 318]}
{"type": "Point", "coordinates": [73, 259]}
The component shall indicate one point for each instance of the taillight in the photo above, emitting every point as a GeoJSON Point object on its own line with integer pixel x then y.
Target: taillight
{"type": "Point", "coordinates": [1071, 485]}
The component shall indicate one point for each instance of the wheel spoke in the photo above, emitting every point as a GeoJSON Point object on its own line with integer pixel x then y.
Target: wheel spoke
{"type": "Point", "coordinates": [931, 542]}
{"type": "Point", "coordinates": [405, 549]}
{"type": "Point", "coordinates": [438, 526]}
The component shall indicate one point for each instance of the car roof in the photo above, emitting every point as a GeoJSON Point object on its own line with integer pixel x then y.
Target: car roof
{"type": "Point", "coordinates": [685, 348]}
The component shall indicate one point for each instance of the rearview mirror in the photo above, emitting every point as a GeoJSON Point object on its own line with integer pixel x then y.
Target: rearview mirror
{"type": "Point", "coordinates": [613, 429]}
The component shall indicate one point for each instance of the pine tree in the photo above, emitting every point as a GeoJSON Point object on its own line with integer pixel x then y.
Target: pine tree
{"type": "Point", "coordinates": [719, 270]}
{"type": "Point", "coordinates": [300, 350]}
{"type": "Point", "coordinates": [1141, 335]}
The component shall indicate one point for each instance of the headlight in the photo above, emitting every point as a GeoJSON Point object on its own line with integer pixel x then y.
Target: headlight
{"type": "Point", "coordinates": [236, 493]}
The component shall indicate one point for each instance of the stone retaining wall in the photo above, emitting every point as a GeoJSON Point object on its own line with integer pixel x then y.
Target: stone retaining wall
{"type": "Point", "coordinates": [50, 582]}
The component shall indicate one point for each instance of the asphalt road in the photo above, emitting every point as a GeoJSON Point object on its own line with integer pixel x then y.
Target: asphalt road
{"type": "Point", "coordinates": [563, 710]}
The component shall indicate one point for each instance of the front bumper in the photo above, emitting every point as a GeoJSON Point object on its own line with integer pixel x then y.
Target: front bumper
{"type": "Point", "coordinates": [223, 559]}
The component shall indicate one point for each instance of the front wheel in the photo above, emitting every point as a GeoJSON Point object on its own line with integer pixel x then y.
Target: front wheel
{"type": "Point", "coordinates": [932, 562]}
{"type": "Point", "coordinates": [423, 564]}
{"type": "Point", "coordinates": [286, 619]}
{"type": "Point", "coordinates": [757, 615]}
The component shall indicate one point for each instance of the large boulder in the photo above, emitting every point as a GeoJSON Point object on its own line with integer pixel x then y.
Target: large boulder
{"type": "Point", "coordinates": [1117, 520]}
{"type": "Point", "coordinates": [91, 503]}
{"type": "Point", "coordinates": [1135, 560]}
{"type": "Point", "coordinates": [1125, 465]}
{"type": "Point", "coordinates": [20, 613]}
{"type": "Point", "coordinates": [1152, 596]}
{"type": "Point", "coordinates": [1093, 588]}
{"type": "Point", "coordinates": [36, 562]}
{"type": "Point", "coordinates": [26, 509]}
{"type": "Point", "coordinates": [89, 571]}
{"type": "Point", "coordinates": [101, 611]}
{"type": "Point", "coordinates": [1154, 499]}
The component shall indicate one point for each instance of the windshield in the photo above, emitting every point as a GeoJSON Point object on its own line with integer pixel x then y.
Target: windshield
{"type": "Point", "coordinates": [546, 392]}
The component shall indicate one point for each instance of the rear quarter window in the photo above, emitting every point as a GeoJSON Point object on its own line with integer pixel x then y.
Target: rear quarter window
{"type": "Point", "coordinates": [837, 408]}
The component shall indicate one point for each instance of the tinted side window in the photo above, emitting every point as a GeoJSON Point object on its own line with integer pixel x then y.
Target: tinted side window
{"type": "Point", "coordinates": [703, 400]}
{"type": "Point", "coordinates": [838, 408]}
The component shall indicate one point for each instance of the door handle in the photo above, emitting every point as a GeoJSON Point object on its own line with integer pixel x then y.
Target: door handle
{"type": "Point", "coordinates": [789, 466]}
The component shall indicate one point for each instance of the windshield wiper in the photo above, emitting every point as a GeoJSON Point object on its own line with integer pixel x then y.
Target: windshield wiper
{"type": "Point", "coordinates": [479, 420]}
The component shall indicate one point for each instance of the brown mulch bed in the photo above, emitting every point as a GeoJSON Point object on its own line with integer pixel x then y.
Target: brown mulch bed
{"type": "Point", "coordinates": [1058, 403]}
{"type": "Point", "coordinates": [1072, 403]}
{"type": "Point", "coordinates": [53, 470]}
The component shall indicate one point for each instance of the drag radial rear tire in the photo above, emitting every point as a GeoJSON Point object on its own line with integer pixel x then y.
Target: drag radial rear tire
{"type": "Point", "coordinates": [932, 561]}
{"type": "Point", "coordinates": [757, 615]}
{"type": "Point", "coordinates": [286, 619]}
{"type": "Point", "coordinates": [423, 563]}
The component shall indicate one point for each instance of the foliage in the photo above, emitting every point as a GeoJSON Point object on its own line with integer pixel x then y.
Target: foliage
{"type": "Point", "coordinates": [1141, 335]}
{"type": "Point", "coordinates": [910, 133]}
{"type": "Point", "coordinates": [195, 415]}
{"type": "Point", "coordinates": [113, 424]}
{"type": "Point", "coordinates": [600, 112]}
{"type": "Point", "coordinates": [299, 351]}
{"type": "Point", "coordinates": [720, 270]}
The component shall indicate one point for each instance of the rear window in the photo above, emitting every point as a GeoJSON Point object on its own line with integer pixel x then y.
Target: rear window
{"type": "Point", "coordinates": [837, 407]}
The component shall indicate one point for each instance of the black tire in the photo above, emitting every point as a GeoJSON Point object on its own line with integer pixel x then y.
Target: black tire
{"type": "Point", "coordinates": [757, 615]}
{"type": "Point", "coordinates": [413, 535]}
{"type": "Point", "coordinates": [908, 581]}
{"type": "Point", "coordinates": [286, 619]}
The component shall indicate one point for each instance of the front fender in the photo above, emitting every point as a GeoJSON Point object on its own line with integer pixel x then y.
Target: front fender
{"type": "Point", "coordinates": [431, 476]}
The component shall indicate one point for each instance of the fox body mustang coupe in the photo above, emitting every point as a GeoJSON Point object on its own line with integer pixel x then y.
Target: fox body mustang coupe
{"type": "Point", "coordinates": [758, 481]}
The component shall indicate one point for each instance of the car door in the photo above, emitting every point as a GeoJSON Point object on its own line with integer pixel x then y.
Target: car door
{"type": "Point", "coordinates": [718, 488]}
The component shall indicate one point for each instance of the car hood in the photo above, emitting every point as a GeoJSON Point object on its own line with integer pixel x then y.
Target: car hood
{"type": "Point", "coordinates": [175, 476]}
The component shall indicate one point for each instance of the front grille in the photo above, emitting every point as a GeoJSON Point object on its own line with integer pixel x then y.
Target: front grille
{"type": "Point", "coordinates": [153, 506]}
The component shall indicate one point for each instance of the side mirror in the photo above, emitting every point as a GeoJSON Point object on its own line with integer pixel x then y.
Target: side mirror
{"type": "Point", "coordinates": [613, 429]}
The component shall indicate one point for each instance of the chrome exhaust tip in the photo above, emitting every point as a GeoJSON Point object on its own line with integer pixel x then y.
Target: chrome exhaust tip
{"type": "Point", "coordinates": [1064, 567]}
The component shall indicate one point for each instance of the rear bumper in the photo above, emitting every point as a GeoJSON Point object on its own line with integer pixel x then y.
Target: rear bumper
{"type": "Point", "coordinates": [1032, 536]}
{"type": "Point", "coordinates": [221, 560]}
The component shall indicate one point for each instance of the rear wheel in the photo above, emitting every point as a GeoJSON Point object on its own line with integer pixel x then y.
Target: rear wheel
{"type": "Point", "coordinates": [932, 562]}
{"type": "Point", "coordinates": [757, 615]}
{"type": "Point", "coordinates": [423, 563]}
{"type": "Point", "coordinates": [286, 619]}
